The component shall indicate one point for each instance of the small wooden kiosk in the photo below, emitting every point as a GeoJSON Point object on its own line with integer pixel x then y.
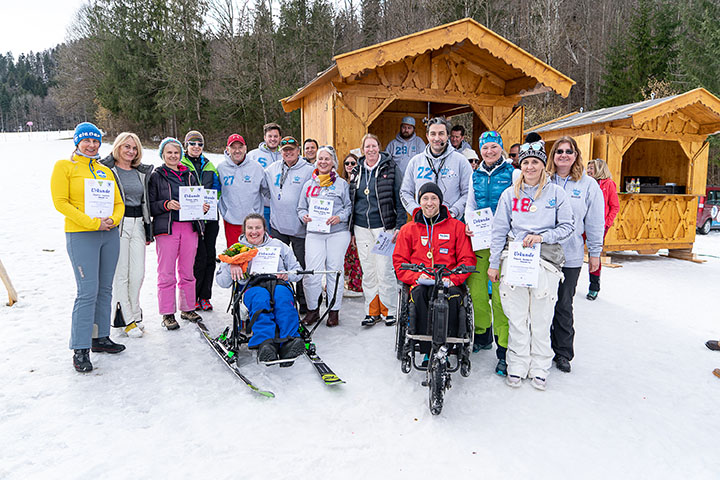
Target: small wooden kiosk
{"type": "Point", "coordinates": [660, 141]}
{"type": "Point", "coordinates": [456, 68]}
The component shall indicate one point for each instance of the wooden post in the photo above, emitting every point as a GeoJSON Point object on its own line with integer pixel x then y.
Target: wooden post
{"type": "Point", "coordinates": [12, 294]}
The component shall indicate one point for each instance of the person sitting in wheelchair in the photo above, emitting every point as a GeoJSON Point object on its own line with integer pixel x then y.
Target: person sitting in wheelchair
{"type": "Point", "coordinates": [274, 320]}
{"type": "Point", "coordinates": [433, 238]}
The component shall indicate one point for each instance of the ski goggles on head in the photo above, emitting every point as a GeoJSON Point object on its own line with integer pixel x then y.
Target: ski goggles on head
{"type": "Point", "coordinates": [539, 145]}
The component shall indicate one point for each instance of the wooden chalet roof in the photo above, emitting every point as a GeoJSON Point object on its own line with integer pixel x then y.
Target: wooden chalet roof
{"type": "Point", "coordinates": [698, 110]}
{"type": "Point", "coordinates": [482, 50]}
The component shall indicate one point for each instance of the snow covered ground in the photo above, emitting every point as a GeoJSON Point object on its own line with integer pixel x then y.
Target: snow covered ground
{"type": "Point", "coordinates": [641, 401]}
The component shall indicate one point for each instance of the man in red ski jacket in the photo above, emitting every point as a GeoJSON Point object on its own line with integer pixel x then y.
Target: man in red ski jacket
{"type": "Point", "coordinates": [433, 237]}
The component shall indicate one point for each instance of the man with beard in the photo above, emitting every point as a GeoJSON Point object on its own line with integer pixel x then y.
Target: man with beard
{"type": "Point", "coordinates": [406, 144]}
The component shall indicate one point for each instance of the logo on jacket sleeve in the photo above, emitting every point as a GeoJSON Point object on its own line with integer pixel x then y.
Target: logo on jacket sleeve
{"type": "Point", "coordinates": [101, 174]}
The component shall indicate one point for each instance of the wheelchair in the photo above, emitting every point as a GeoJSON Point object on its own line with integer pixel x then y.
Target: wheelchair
{"type": "Point", "coordinates": [239, 332]}
{"type": "Point", "coordinates": [446, 354]}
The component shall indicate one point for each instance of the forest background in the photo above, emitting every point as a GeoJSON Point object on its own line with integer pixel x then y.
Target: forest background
{"type": "Point", "coordinates": [163, 67]}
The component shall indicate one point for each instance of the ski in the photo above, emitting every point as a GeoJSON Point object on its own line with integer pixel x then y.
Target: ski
{"type": "Point", "coordinates": [228, 359]}
{"type": "Point", "coordinates": [326, 374]}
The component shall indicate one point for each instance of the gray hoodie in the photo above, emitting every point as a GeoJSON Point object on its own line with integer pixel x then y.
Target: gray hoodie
{"type": "Point", "coordinates": [264, 156]}
{"type": "Point", "coordinates": [241, 189]}
{"type": "Point", "coordinates": [552, 217]}
{"type": "Point", "coordinates": [451, 171]}
{"type": "Point", "coordinates": [588, 205]}
{"type": "Point", "coordinates": [288, 262]}
{"type": "Point", "coordinates": [338, 192]}
{"type": "Point", "coordinates": [463, 145]}
{"type": "Point", "coordinates": [402, 150]}
{"type": "Point", "coordinates": [284, 195]}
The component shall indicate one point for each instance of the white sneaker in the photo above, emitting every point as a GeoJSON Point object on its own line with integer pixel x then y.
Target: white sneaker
{"type": "Point", "coordinates": [513, 381]}
{"type": "Point", "coordinates": [133, 330]}
{"type": "Point", "coordinates": [539, 383]}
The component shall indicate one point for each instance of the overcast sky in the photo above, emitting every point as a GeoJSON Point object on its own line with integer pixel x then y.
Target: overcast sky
{"type": "Point", "coordinates": [34, 24]}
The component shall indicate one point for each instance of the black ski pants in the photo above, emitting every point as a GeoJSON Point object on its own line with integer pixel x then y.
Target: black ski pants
{"type": "Point", "coordinates": [298, 246]}
{"type": "Point", "coordinates": [562, 332]}
{"type": "Point", "coordinates": [204, 268]}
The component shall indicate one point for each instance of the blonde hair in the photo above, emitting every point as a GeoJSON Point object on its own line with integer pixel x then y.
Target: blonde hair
{"type": "Point", "coordinates": [521, 179]}
{"type": "Point", "coordinates": [601, 168]}
{"type": "Point", "coordinates": [120, 140]}
{"type": "Point", "coordinates": [576, 171]}
{"type": "Point", "coordinates": [365, 137]}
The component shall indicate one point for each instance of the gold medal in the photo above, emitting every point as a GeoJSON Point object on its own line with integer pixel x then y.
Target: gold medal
{"type": "Point", "coordinates": [430, 255]}
{"type": "Point", "coordinates": [533, 208]}
{"type": "Point", "coordinates": [367, 191]}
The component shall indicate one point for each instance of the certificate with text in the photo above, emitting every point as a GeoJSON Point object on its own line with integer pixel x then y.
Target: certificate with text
{"type": "Point", "coordinates": [319, 211]}
{"type": "Point", "coordinates": [191, 203]}
{"type": "Point", "coordinates": [523, 265]}
{"type": "Point", "coordinates": [480, 223]}
{"type": "Point", "coordinates": [99, 197]}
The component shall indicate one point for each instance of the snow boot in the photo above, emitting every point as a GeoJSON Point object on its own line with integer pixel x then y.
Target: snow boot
{"type": "Point", "coordinates": [482, 341]}
{"type": "Point", "coordinates": [333, 319]}
{"type": "Point", "coordinates": [592, 295]}
{"type": "Point", "coordinates": [538, 383]}
{"type": "Point", "coordinates": [501, 368]}
{"type": "Point", "coordinates": [106, 345]}
{"type": "Point", "coordinates": [562, 364]}
{"type": "Point", "coordinates": [311, 317]}
{"type": "Point", "coordinates": [370, 320]}
{"type": "Point", "coordinates": [713, 344]}
{"type": "Point", "coordinates": [81, 360]}
{"type": "Point", "coordinates": [513, 381]}
{"type": "Point", "coordinates": [169, 322]}
{"type": "Point", "coordinates": [390, 320]}
{"type": "Point", "coordinates": [205, 305]}
{"type": "Point", "coordinates": [190, 316]}
{"type": "Point", "coordinates": [267, 352]}
{"type": "Point", "coordinates": [292, 349]}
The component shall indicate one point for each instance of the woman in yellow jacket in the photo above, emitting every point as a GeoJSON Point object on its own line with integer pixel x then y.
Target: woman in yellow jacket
{"type": "Point", "coordinates": [85, 192]}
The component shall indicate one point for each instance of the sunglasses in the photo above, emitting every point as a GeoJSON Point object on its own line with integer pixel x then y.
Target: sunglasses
{"type": "Point", "coordinates": [350, 164]}
{"type": "Point", "coordinates": [474, 160]}
{"type": "Point", "coordinates": [290, 141]}
{"type": "Point", "coordinates": [196, 144]}
{"type": "Point", "coordinates": [513, 155]}
{"type": "Point", "coordinates": [539, 145]}
{"type": "Point", "coordinates": [560, 151]}
{"type": "Point", "coordinates": [329, 147]}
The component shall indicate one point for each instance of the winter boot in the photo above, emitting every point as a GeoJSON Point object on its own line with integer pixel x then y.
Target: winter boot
{"type": "Point", "coordinates": [482, 341]}
{"type": "Point", "coordinates": [501, 368]}
{"type": "Point", "coordinates": [311, 317]}
{"type": "Point", "coordinates": [81, 360]}
{"type": "Point", "coordinates": [292, 349]}
{"type": "Point", "coordinates": [267, 352]}
{"type": "Point", "coordinates": [592, 295]}
{"type": "Point", "coordinates": [513, 381]}
{"type": "Point", "coordinates": [390, 320]}
{"type": "Point", "coordinates": [539, 383]}
{"type": "Point", "coordinates": [562, 364]}
{"type": "Point", "coordinates": [713, 344]}
{"type": "Point", "coordinates": [133, 330]}
{"type": "Point", "coordinates": [333, 319]}
{"type": "Point", "coordinates": [370, 320]}
{"type": "Point", "coordinates": [106, 345]}
{"type": "Point", "coordinates": [190, 316]}
{"type": "Point", "coordinates": [169, 322]}
{"type": "Point", "coordinates": [205, 305]}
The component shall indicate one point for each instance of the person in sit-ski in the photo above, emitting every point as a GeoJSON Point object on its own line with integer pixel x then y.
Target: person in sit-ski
{"type": "Point", "coordinates": [274, 318]}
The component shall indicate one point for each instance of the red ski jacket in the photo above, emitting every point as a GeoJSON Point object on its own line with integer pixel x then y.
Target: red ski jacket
{"type": "Point", "coordinates": [446, 239]}
{"type": "Point", "coordinates": [612, 203]}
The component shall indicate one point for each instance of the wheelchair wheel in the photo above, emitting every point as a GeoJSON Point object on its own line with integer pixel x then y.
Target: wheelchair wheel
{"type": "Point", "coordinates": [402, 322]}
{"type": "Point", "coordinates": [436, 383]}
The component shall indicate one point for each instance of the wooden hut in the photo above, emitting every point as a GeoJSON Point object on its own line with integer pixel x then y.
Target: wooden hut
{"type": "Point", "coordinates": [663, 143]}
{"type": "Point", "coordinates": [456, 68]}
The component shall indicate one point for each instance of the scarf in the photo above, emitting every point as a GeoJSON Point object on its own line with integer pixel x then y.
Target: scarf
{"type": "Point", "coordinates": [324, 180]}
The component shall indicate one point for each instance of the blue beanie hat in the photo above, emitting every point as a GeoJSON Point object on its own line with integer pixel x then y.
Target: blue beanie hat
{"type": "Point", "coordinates": [491, 136]}
{"type": "Point", "coordinates": [167, 140]}
{"type": "Point", "coordinates": [86, 130]}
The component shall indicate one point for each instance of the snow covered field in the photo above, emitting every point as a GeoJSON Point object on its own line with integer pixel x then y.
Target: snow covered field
{"type": "Point", "coordinates": [641, 401]}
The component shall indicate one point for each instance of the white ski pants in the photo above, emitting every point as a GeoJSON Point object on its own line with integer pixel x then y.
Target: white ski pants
{"type": "Point", "coordinates": [325, 251]}
{"type": "Point", "coordinates": [130, 271]}
{"type": "Point", "coordinates": [378, 275]}
{"type": "Point", "coordinates": [530, 313]}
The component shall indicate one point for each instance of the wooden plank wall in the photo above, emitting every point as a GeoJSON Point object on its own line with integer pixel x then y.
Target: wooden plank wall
{"type": "Point", "coordinates": [650, 222]}
{"type": "Point", "coordinates": [317, 116]}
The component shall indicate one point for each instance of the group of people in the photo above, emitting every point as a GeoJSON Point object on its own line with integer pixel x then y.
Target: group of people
{"type": "Point", "coordinates": [412, 194]}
